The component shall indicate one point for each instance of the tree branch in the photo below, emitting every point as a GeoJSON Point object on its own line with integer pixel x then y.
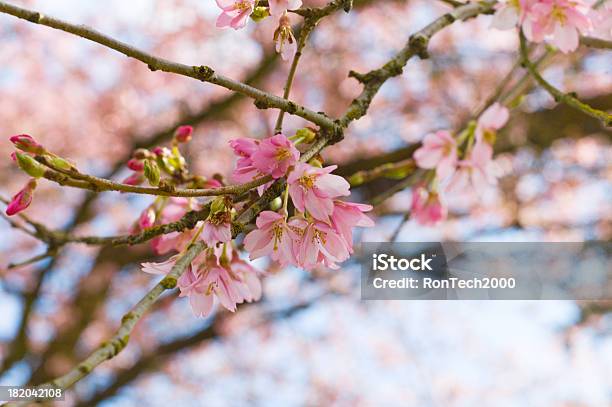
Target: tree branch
{"type": "Point", "coordinates": [569, 99]}
{"type": "Point", "coordinates": [117, 343]}
{"type": "Point", "coordinates": [203, 73]}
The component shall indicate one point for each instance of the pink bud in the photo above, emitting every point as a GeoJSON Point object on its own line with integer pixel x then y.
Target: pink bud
{"type": "Point", "coordinates": [22, 199]}
{"type": "Point", "coordinates": [212, 183]}
{"type": "Point", "coordinates": [183, 134]}
{"type": "Point", "coordinates": [27, 143]}
{"type": "Point", "coordinates": [135, 165]}
{"type": "Point", "coordinates": [134, 179]}
{"type": "Point", "coordinates": [14, 156]}
{"type": "Point", "coordinates": [147, 218]}
{"type": "Point", "coordinates": [158, 151]}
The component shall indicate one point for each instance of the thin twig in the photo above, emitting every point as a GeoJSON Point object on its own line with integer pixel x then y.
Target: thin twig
{"type": "Point", "coordinates": [203, 73]}
{"type": "Point", "coordinates": [117, 343]}
{"type": "Point", "coordinates": [559, 96]}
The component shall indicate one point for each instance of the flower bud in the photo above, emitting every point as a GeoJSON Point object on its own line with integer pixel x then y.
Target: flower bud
{"type": "Point", "coordinates": [147, 218]}
{"type": "Point", "coordinates": [29, 165]}
{"type": "Point", "coordinates": [260, 13]}
{"type": "Point", "coordinates": [135, 165]}
{"type": "Point", "coordinates": [183, 134]}
{"type": "Point", "coordinates": [134, 179]}
{"type": "Point", "coordinates": [27, 143]}
{"type": "Point", "coordinates": [141, 154]}
{"type": "Point", "coordinates": [22, 199]}
{"type": "Point", "coordinates": [151, 172]}
{"type": "Point", "coordinates": [218, 205]}
{"type": "Point", "coordinates": [306, 135]}
{"type": "Point", "coordinates": [61, 163]}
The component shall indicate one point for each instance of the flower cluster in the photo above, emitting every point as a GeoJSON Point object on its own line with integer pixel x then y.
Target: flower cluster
{"type": "Point", "coordinates": [320, 232]}
{"type": "Point", "coordinates": [235, 14]}
{"type": "Point", "coordinates": [559, 22]}
{"type": "Point", "coordinates": [216, 272]}
{"type": "Point", "coordinates": [462, 164]}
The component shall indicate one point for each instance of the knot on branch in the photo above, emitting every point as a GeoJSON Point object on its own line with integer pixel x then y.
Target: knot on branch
{"type": "Point", "coordinates": [34, 17]}
{"type": "Point", "coordinates": [336, 134]}
{"type": "Point", "coordinates": [168, 282]}
{"type": "Point", "coordinates": [347, 5]}
{"type": "Point", "coordinates": [203, 73]}
{"type": "Point", "coordinates": [418, 44]}
{"type": "Point", "coordinates": [261, 104]}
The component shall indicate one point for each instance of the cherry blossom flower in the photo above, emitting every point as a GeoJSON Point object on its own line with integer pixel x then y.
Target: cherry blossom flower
{"type": "Point", "coordinates": [22, 199]}
{"type": "Point", "coordinates": [280, 7]}
{"type": "Point", "coordinates": [439, 151]}
{"type": "Point", "coordinates": [250, 288]}
{"type": "Point", "coordinates": [475, 173]}
{"type": "Point", "coordinates": [510, 13]}
{"type": "Point", "coordinates": [320, 244]}
{"type": "Point", "coordinates": [561, 21]}
{"type": "Point", "coordinates": [491, 120]}
{"type": "Point", "coordinates": [190, 285]}
{"type": "Point", "coordinates": [346, 216]}
{"type": "Point", "coordinates": [235, 13]}
{"type": "Point", "coordinates": [275, 155]}
{"type": "Point", "coordinates": [312, 189]}
{"type": "Point", "coordinates": [286, 44]}
{"type": "Point", "coordinates": [26, 143]}
{"type": "Point", "coordinates": [216, 230]}
{"type": "Point", "coordinates": [427, 209]}
{"type": "Point", "coordinates": [245, 171]}
{"type": "Point", "coordinates": [273, 237]}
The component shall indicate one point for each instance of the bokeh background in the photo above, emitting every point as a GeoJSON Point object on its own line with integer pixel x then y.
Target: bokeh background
{"type": "Point", "coordinates": [311, 340]}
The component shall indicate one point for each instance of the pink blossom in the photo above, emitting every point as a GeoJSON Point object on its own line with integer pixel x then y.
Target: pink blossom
{"type": "Point", "coordinates": [313, 189]}
{"type": "Point", "coordinates": [491, 120]}
{"type": "Point", "coordinates": [439, 151]}
{"type": "Point", "coordinates": [183, 134]}
{"type": "Point", "coordinates": [601, 20]}
{"type": "Point", "coordinates": [286, 45]}
{"type": "Point", "coordinates": [279, 7]}
{"type": "Point", "coordinates": [26, 143]}
{"type": "Point", "coordinates": [216, 230]}
{"type": "Point", "coordinates": [510, 13]}
{"type": "Point", "coordinates": [250, 288]}
{"type": "Point", "coordinates": [171, 241]}
{"type": "Point", "coordinates": [475, 173]}
{"type": "Point", "coordinates": [235, 13]}
{"type": "Point", "coordinates": [346, 216]}
{"type": "Point", "coordinates": [561, 21]}
{"type": "Point", "coordinates": [22, 199]}
{"type": "Point", "coordinates": [244, 147]}
{"type": "Point", "coordinates": [426, 207]}
{"type": "Point", "coordinates": [275, 155]}
{"type": "Point", "coordinates": [190, 285]}
{"type": "Point", "coordinates": [273, 237]}
{"type": "Point", "coordinates": [163, 267]}
{"type": "Point", "coordinates": [320, 244]}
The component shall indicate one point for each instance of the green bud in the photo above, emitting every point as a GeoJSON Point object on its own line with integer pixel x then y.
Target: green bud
{"type": "Point", "coordinates": [276, 204]}
{"type": "Point", "coordinates": [218, 205]}
{"type": "Point", "coordinates": [29, 165]}
{"type": "Point", "coordinates": [356, 179]}
{"type": "Point", "coordinates": [306, 135]}
{"type": "Point", "coordinates": [316, 163]}
{"type": "Point", "coordinates": [61, 163]}
{"type": "Point", "coordinates": [151, 172]}
{"type": "Point", "coordinates": [259, 14]}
